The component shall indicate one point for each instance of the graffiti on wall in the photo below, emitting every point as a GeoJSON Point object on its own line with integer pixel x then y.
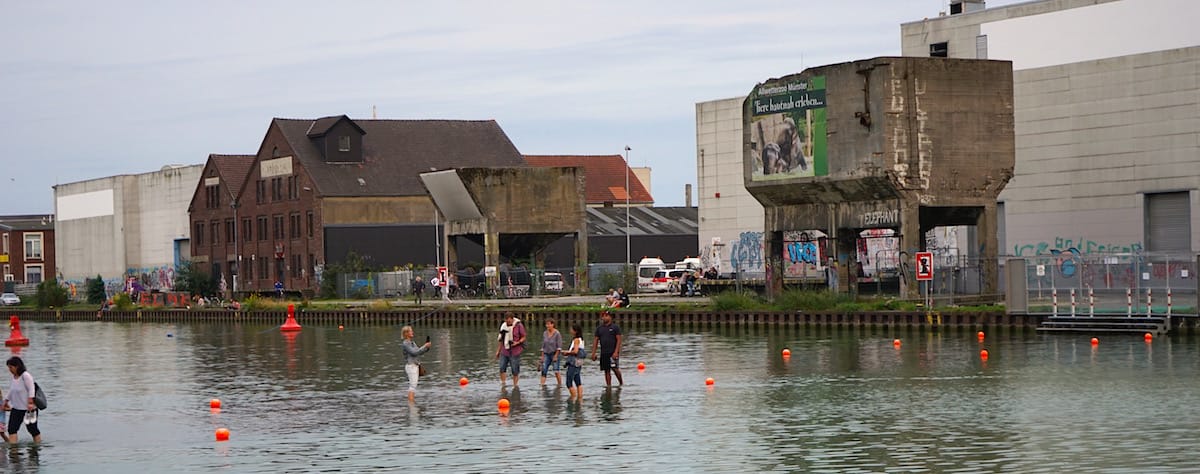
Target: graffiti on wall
{"type": "Point", "coordinates": [746, 253]}
{"type": "Point", "coordinates": [154, 278]}
{"type": "Point", "coordinates": [1082, 245]}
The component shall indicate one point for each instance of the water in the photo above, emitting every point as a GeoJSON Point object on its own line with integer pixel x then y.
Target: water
{"type": "Point", "coordinates": [128, 397]}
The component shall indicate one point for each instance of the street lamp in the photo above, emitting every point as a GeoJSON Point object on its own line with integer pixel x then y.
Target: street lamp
{"type": "Point", "coordinates": [627, 259]}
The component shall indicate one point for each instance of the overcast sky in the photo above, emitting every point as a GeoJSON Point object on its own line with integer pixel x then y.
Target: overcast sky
{"type": "Point", "coordinates": [94, 89]}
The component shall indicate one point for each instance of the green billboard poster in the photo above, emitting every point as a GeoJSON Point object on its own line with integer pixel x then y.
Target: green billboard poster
{"type": "Point", "coordinates": [787, 129]}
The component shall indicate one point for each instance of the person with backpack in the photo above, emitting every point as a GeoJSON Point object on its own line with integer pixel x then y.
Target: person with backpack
{"type": "Point", "coordinates": [575, 356]}
{"type": "Point", "coordinates": [19, 403]}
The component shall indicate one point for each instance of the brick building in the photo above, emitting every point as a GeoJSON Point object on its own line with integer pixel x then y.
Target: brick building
{"type": "Point", "coordinates": [26, 249]}
{"type": "Point", "coordinates": [319, 190]}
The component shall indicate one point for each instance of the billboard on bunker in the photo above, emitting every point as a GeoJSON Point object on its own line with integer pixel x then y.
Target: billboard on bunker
{"type": "Point", "coordinates": [786, 120]}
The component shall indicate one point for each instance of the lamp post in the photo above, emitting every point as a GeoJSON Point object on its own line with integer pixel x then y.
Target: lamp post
{"type": "Point", "coordinates": [627, 259]}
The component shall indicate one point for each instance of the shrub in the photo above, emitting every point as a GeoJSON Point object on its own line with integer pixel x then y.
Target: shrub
{"type": "Point", "coordinates": [95, 290]}
{"type": "Point", "coordinates": [51, 295]}
{"type": "Point", "coordinates": [380, 305]}
{"type": "Point", "coordinates": [123, 302]}
{"type": "Point", "coordinates": [732, 300]}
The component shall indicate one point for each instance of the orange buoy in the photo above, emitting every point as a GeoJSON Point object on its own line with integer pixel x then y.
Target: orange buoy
{"type": "Point", "coordinates": [983, 354]}
{"type": "Point", "coordinates": [290, 324]}
{"type": "Point", "coordinates": [222, 434]}
{"type": "Point", "coordinates": [16, 338]}
{"type": "Point", "coordinates": [214, 403]}
{"type": "Point", "coordinates": [896, 342]}
{"type": "Point", "coordinates": [641, 366]}
{"type": "Point", "coordinates": [1095, 341]}
{"type": "Point", "coordinates": [1149, 337]}
{"type": "Point", "coordinates": [787, 352]}
{"type": "Point", "coordinates": [503, 404]}
{"type": "Point", "coordinates": [463, 381]}
{"type": "Point", "coordinates": [709, 381]}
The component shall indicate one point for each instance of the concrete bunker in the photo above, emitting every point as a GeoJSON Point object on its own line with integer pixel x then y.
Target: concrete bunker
{"type": "Point", "coordinates": [849, 150]}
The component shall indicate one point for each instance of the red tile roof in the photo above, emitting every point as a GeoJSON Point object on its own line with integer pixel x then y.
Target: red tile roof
{"type": "Point", "coordinates": [233, 169]}
{"type": "Point", "coordinates": [605, 175]}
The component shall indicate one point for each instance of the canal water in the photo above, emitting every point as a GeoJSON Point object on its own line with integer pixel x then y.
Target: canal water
{"type": "Point", "coordinates": [135, 397]}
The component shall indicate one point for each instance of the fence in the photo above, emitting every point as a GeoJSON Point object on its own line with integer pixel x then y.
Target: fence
{"type": "Point", "coordinates": [1068, 283]}
{"type": "Point", "coordinates": [507, 282]}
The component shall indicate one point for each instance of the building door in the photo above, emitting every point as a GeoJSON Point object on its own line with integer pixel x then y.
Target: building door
{"type": "Point", "coordinates": [1168, 222]}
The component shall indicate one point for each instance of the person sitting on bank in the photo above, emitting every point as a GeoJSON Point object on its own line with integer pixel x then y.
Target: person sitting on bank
{"type": "Point", "coordinates": [612, 298]}
{"type": "Point", "coordinates": [622, 300]}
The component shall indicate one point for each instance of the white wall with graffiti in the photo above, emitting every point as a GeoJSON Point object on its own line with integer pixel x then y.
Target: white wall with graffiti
{"type": "Point", "coordinates": [124, 226]}
{"type": "Point", "coordinates": [731, 220]}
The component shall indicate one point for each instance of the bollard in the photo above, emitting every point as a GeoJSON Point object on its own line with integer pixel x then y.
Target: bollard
{"type": "Point", "coordinates": [1054, 301]}
{"type": "Point", "coordinates": [1129, 302]}
{"type": "Point", "coordinates": [1072, 302]}
{"type": "Point", "coordinates": [1091, 303]}
{"type": "Point", "coordinates": [1149, 302]}
{"type": "Point", "coordinates": [1168, 301]}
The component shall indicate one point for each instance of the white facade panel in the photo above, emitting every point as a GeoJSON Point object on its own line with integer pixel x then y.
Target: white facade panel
{"type": "Point", "coordinates": [727, 211]}
{"type": "Point", "coordinates": [84, 205]}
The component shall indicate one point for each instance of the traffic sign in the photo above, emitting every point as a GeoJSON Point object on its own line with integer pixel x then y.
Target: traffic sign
{"type": "Point", "coordinates": [924, 266]}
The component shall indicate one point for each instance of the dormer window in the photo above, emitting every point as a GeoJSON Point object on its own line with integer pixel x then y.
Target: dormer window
{"type": "Point", "coordinates": [344, 143]}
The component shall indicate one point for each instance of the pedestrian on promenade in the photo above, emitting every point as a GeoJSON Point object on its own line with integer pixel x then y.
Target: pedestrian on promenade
{"type": "Point", "coordinates": [607, 346]}
{"type": "Point", "coordinates": [508, 351]}
{"type": "Point", "coordinates": [575, 355]}
{"type": "Point", "coordinates": [418, 289]}
{"type": "Point", "coordinates": [412, 359]}
{"type": "Point", "coordinates": [19, 402]}
{"type": "Point", "coordinates": [551, 346]}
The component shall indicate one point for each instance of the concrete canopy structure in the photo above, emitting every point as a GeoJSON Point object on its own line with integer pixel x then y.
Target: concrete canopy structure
{"type": "Point", "coordinates": [512, 212]}
{"type": "Point", "coordinates": [903, 143]}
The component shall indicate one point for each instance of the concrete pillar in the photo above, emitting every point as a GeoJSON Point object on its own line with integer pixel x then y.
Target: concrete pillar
{"type": "Point", "coordinates": [491, 248]}
{"type": "Point", "coordinates": [989, 241]}
{"type": "Point", "coordinates": [452, 253]}
{"type": "Point", "coordinates": [773, 263]}
{"type": "Point", "coordinates": [912, 240]}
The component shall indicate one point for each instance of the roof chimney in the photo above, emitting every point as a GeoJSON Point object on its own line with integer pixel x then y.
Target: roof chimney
{"type": "Point", "coordinates": [687, 195]}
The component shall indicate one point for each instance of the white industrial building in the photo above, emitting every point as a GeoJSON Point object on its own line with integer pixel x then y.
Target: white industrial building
{"type": "Point", "coordinates": [125, 226]}
{"type": "Point", "coordinates": [1107, 109]}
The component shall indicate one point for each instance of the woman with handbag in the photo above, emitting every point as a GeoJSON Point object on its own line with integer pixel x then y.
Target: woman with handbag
{"type": "Point", "coordinates": [412, 359]}
{"type": "Point", "coordinates": [19, 402]}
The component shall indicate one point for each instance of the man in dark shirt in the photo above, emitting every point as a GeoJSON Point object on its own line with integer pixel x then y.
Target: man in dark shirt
{"type": "Point", "coordinates": [607, 346]}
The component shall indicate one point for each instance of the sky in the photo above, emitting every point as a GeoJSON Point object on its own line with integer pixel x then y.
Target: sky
{"type": "Point", "coordinates": [95, 89]}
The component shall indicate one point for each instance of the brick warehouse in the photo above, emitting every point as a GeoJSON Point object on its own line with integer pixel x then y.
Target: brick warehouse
{"type": "Point", "coordinates": [318, 190]}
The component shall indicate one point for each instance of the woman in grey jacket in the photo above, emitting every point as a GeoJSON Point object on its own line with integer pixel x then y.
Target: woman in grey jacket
{"type": "Point", "coordinates": [412, 359]}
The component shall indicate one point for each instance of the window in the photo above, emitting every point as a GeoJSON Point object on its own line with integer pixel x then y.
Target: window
{"type": "Point", "coordinates": [250, 272]}
{"type": "Point", "coordinates": [277, 227]}
{"type": "Point", "coordinates": [7, 272]}
{"type": "Point", "coordinates": [212, 196]}
{"type": "Point", "coordinates": [279, 264]}
{"type": "Point", "coordinates": [296, 266]}
{"type": "Point", "coordinates": [5, 244]}
{"type": "Point", "coordinates": [981, 47]}
{"type": "Point", "coordinates": [230, 231]}
{"type": "Point", "coordinates": [198, 235]}
{"type": "Point", "coordinates": [294, 225]}
{"type": "Point", "coordinates": [310, 224]}
{"type": "Point", "coordinates": [275, 152]}
{"type": "Point", "coordinates": [33, 246]}
{"type": "Point", "coordinates": [939, 50]}
{"type": "Point", "coordinates": [276, 189]}
{"type": "Point", "coordinates": [260, 191]}
{"type": "Point", "coordinates": [262, 227]}
{"type": "Point", "coordinates": [312, 265]}
{"type": "Point", "coordinates": [262, 268]}
{"type": "Point", "coordinates": [33, 273]}
{"type": "Point", "coordinates": [247, 229]}
{"type": "Point", "coordinates": [214, 232]}
{"type": "Point", "coordinates": [293, 190]}
{"type": "Point", "coordinates": [344, 143]}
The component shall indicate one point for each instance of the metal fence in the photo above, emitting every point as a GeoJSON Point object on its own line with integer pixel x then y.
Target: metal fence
{"type": "Point", "coordinates": [507, 282]}
{"type": "Point", "coordinates": [1068, 283]}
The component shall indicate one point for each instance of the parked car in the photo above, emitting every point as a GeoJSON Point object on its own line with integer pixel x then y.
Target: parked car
{"type": "Point", "coordinates": [665, 280]}
{"type": "Point", "coordinates": [10, 299]}
{"type": "Point", "coordinates": [553, 281]}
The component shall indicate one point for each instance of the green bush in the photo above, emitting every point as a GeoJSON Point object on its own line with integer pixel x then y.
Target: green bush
{"type": "Point", "coordinates": [732, 300]}
{"type": "Point", "coordinates": [95, 290]}
{"type": "Point", "coordinates": [123, 302]}
{"type": "Point", "coordinates": [51, 295]}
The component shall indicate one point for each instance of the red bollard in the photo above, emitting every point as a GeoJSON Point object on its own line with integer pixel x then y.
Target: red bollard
{"type": "Point", "coordinates": [290, 324]}
{"type": "Point", "coordinates": [16, 339]}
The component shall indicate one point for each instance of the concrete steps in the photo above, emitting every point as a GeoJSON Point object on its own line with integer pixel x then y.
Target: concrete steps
{"type": "Point", "coordinates": [1110, 324]}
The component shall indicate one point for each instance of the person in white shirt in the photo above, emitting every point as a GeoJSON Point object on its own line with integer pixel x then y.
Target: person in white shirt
{"type": "Point", "coordinates": [19, 402]}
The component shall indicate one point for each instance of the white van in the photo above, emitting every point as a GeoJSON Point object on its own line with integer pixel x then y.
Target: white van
{"type": "Point", "coordinates": [646, 269]}
{"type": "Point", "coordinates": [689, 263]}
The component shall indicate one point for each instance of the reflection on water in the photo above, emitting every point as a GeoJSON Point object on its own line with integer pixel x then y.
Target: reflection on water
{"type": "Point", "coordinates": [128, 397]}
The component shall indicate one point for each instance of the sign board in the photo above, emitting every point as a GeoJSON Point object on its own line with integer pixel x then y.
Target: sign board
{"type": "Point", "coordinates": [441, 276]}
{"type": "Point", "coordinates": [1041, 270]}
{"type": "Point", "coordinates": [924, 266]}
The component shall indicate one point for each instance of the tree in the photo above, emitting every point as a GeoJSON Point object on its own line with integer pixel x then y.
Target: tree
{"type": "Point", "coordinates": [51, 295]}
{"type": "Point", "coordinates": [190, 279]}
{"type": "Point", "coordinates": [96, 293]}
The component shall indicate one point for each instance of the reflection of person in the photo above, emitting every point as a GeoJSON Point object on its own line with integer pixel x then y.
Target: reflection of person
{"type": "Point", "coordinates": [607, 346]}
{"type": "Point", "coordinates": [551, 346]}
{"type": "Point", "coordinates": [512, 343]}
{"type": "Point", "coordinates": [412, 359]}
{"type": "Point", "coordinates": [19, 402]}
{"type": "Point", "coordinates": [574, 364]}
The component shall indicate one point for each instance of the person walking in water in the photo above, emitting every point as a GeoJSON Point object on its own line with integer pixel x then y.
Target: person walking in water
{"type": "Point", "coordinates": [575, 363]}
{"type": "Point", "coordinates": [412, 359]}
{"type": "Point", "coordinates": [551, 346]}
{"type": "Point", "coordinates": [19, 402]}
{"type": "Point", "coordinates": [512, 343]}
{"type": "Point", "coordinates": [607, 346]}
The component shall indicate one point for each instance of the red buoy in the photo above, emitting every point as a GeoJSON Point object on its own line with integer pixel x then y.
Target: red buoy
{"type": "Point", "coordinates": [16, 338]}
{"type": "Point", "coordinates": [290, 324]}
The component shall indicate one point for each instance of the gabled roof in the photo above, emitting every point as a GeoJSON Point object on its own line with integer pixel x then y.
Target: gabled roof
{"type": "Point", "coordinates": [27, 222]}
{"type": "Point", "coordinates": [233, 170]}
{"type": "Point", "coordinates": [605, 175]}
{"type": "Point", "coordinates": [396, 151]}
{"type": "Point", "coordinates": [321, 126]}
